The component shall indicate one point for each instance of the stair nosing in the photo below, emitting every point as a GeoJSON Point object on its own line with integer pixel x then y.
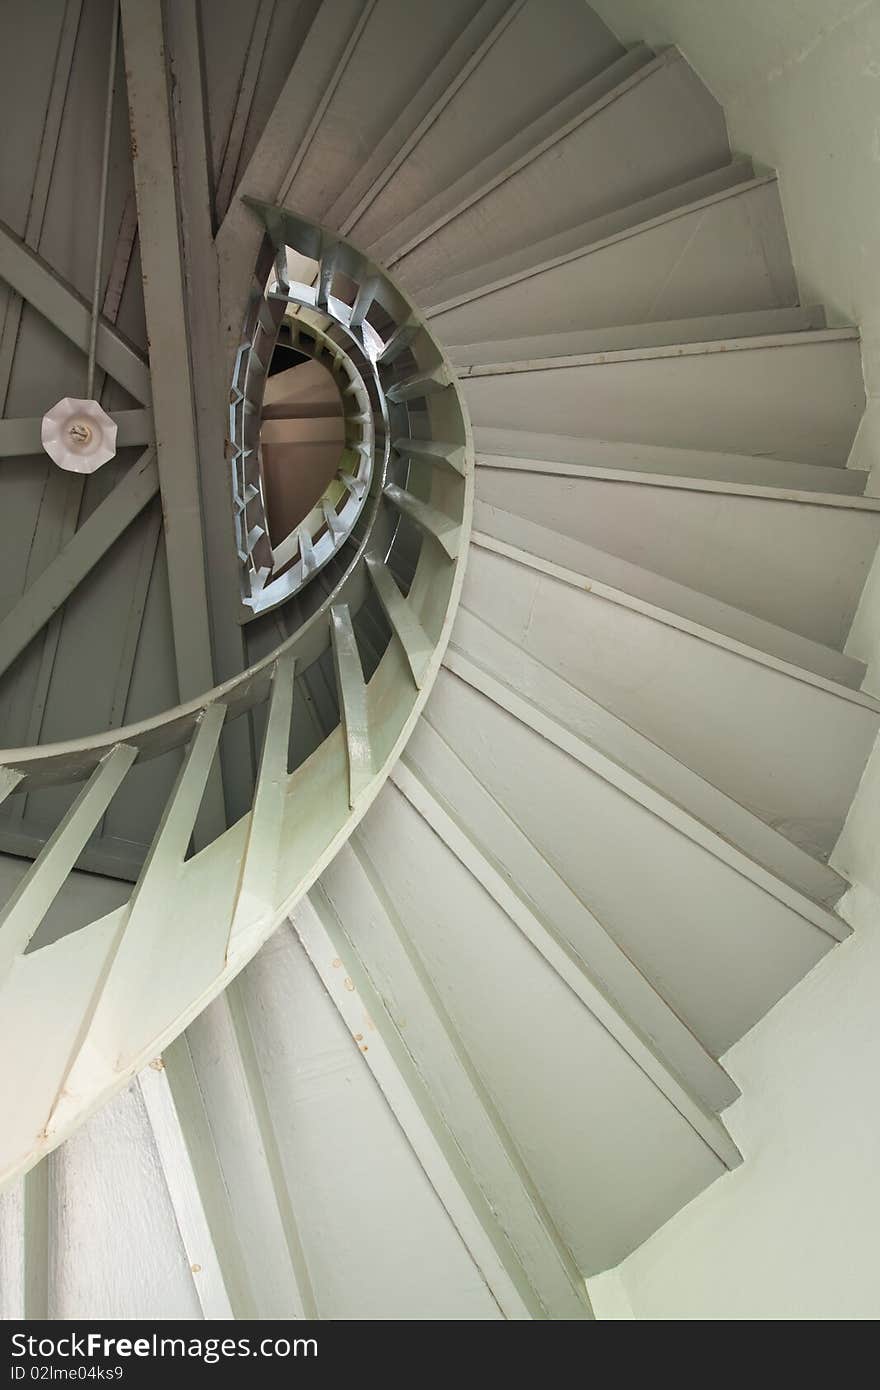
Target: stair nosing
{"type": "Point", "coordinates": [652, 66]}
{"type": "Point", "coordinates": [588, 248]}
{"type": "Point", "coordinates": [681, 482]}
{"type": "Point", "coordinates": [539, 439]}
{"type": "Point", "coordinates": [814, 911]}
{"type": "Point", "coordinates": [715, 347]}
{"type": "Point", "coordinates": [484, 541]}
{"type": "Point", "coordinates": [766, 321]}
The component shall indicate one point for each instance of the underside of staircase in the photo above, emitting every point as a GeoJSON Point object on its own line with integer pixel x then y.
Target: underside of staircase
{"type": "Point", "coordinates": [499, 864]}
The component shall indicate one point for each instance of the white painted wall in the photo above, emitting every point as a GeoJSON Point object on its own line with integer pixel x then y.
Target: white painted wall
{"type": "Point", "coordinates": [794, 1233]}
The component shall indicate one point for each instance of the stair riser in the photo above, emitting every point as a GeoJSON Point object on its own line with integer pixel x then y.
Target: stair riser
{"type": "Point", "coordinates": [663, 129]}
{"type": "Point", "coordinates": [722, 259]}
{"type": "Point", "coordinates": [701, 702]}
{"type": "Point", "coordinates": [799, 401]}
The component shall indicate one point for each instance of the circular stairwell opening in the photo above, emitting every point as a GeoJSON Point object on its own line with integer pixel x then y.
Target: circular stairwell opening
{"type": "Point", "coordinates": [302, 438]}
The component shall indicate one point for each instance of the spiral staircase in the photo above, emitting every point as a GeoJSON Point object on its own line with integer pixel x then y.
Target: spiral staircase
{"type": "Point", "coordinates": [384, 878]}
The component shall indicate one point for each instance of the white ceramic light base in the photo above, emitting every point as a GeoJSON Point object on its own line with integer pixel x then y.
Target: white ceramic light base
{"type": "Point", "coordinates": [78, 435]}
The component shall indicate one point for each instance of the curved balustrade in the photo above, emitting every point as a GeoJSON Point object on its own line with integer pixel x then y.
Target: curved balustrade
{"type": "Point", "coordinates": [114, 992]}
{"type": "Point", "coordinates": [268, 576]}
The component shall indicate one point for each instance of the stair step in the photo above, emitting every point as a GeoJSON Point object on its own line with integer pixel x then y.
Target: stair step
{"type": "Point", "coordinates": [570, 245]}
{"type": "Point", "coordinates": [736, 834]}
{"type": "Point", "coordinates": [797, 560]}
{"type": "Point", "coordinates": [603, 457]}
{"type": "Point", "coordinates": [396, 53]}
{"type": "Point", "coordinates": [657, 128]}
{"type": "Point", "coordinates": [617, 1130]}
{"type": "Point", "coordinates": [379, 165]}
{"type": "Point", "coordinates": [429, 1078]}
{"type": "Point", "coordinates": [499, 162]}
{"type": "Point", "coordinates": [720, 254]}
{"type": "Point", "coordinates": [222, 1054]}
{"type": "Point", "coordinates": [711, 328]}
{"type": "Point", "coordinates": [802, 487]}
{"type": "Point", "coordinates": [485, 105]}
{"type": "Point", "coordinates": [689, 918]}
{"type": "Point", "coordinates": [701, 696]}
{"type": "Point", "coordinates": [561, 928]}
{"type": "Point", "coordinates": [316, 1072]}
{"type": "Point", "coordinates": [797, 396]}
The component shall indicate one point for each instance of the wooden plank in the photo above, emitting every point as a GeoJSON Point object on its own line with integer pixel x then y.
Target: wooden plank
{"type": "Point", "coordinates": [450, 74]}
{"type": "Point", "coordinates": [244, 98]}
{"type": "Point", "coordinates": [78, 557]}
{"type": "Point", "coordinates": [170, 1091]}
{"type": "Point", "coordinates": [644, 794]}
{"type": "Point", "coordinates": [209, 386]}
{"type": "Point", "coordinates": [52, 297]}
{"type": "Point", "coordinates": [22, 436]}
{"type": "Point", "coordinates": [165, 302]}
{"type": "Point", "coordinates": [612, 228]}
{"type": "Point", "coordinates": [655, 460]}
{"type": "Point", "coordinates": [9, 780]}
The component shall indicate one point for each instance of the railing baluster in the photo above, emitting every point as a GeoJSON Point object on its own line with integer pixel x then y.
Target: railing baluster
{"type": "Point", "coordinates": [306, 551]}
{"type": "Point", "coordinates": [399, 341]}
{"type": "Point", "coordinates": [255, 895]}
{"type": "Point", "coordinates": [352, 701]}
{"type": "Point", "coordinates": [326, 272]}
{"type": "Point", "coordinates": [417, 645]}
{"type": "Point", "coordinates": [9, 780]}
{"type": "Point", "coordinates": [335, 525]}
{"type": "Point", "coordinates": [34, 895]}
{"type": "Point", "coordinates": [356, 486]}
{"type": "Point", "coordinates": [434, 523]}
{"type": "Point", "coordinates": [365, 296]}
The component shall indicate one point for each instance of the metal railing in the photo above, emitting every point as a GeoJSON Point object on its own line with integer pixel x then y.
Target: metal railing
{"type": "Point", "coordinates": [81, 1015]}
